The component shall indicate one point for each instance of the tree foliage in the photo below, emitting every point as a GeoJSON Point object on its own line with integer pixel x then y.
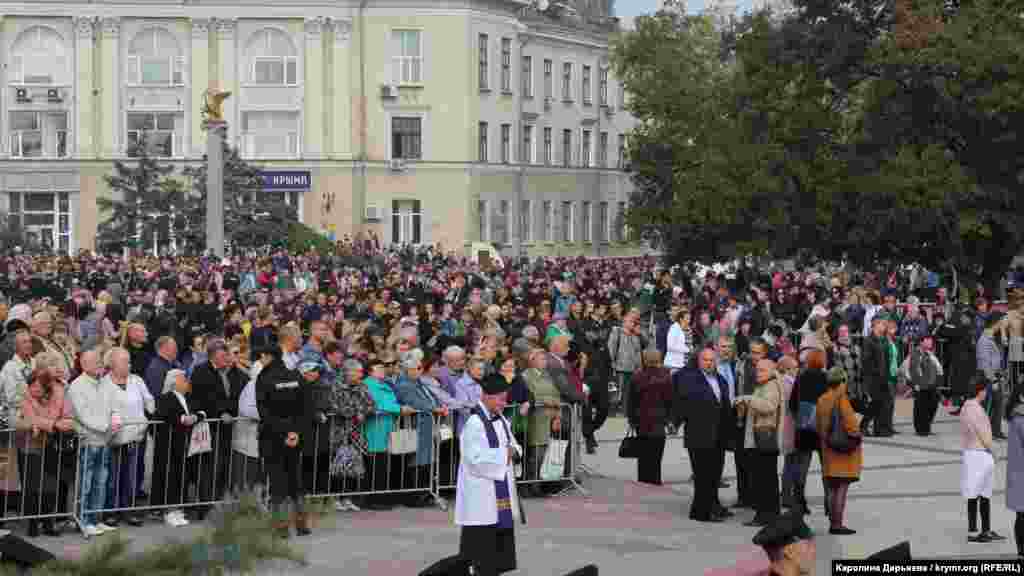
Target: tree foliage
{"type": "Point", "coordinates": [879, 129]}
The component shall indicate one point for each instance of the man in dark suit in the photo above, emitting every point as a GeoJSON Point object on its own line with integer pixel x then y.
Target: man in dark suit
{"type": "Point", "coordinates": [708, 415]}
{"type": "Point", "coordinates": [216, 387]}
{"type": "Point", "coordinates": [875, 375]}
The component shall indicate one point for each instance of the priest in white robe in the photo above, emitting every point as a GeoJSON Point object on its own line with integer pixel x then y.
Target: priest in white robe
{"type": "Point", "coordinates": [486, 503]}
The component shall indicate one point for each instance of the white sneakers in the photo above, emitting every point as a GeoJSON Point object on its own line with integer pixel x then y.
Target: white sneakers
{"type": "Point", "coordinates": [175, 518]}
{"type": "Point", "coordinates": [93, 530]}
{"type": "Point", "coordinates": [346, 505]}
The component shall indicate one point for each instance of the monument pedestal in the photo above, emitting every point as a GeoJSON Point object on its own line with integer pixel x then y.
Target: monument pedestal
{"type": "Point", "coordinates": [216, 133]}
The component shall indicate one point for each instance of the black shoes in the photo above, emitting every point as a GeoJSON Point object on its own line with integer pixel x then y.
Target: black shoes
{"type": "Point", "coordinates": [841, 531]}
{"type": "Point", "coordinates": [757, 522]}
{"type": "Point", "coordinates": [984, 537]}
{"type": "Point", "coordinates": [591, 446]}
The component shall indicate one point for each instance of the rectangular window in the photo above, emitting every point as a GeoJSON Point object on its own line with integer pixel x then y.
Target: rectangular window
{"type": "Point", "coordinates": [567, 222]}
{"type": "Point", "coordinates": [622, 151]}
{"type": "Point", "coordinates": [407, 59]}
{"type": "Point", "coordinates": [506, 65]}
{"type": "Point", "coordinates": [271, 71]}
{"type": "Point", "coordinates": [481, 132]}
{"type": "Point", "coordinates": [548, 80]}
{"type": "Point", "coordinates": [270, 134]}
{"type": "Point", "coordinates": [585, 149]}
{"type": "Point", "coordinates": [44, 217]}
{"type": "Point", "coordinates": [526, 221]}
{"type": "Point", "coordinates": [481, 207]}
{"type": "Point", "coordinates": [484, 70]}
{"type": "Point", "coordinates": [506, 143]}
{"type": "Point", "coordinates": [406, 222]}
{"type": "Point", "coordinates": [501, 235]}
{"type": "Point", "coordinates": [587, 232]}
{"type": "Point", "coordinates": [566, 147]}
{"type": "Point", "coordinates": [549, 225]}
{"type": "Point", "coordinates": [406, 138]}
{"type": "Point", "coordinates": [567, 81]}
{"type": "Point", "coordinates": [155, 70]}
{"type": "Point", "coordinates": [527, 77]}
{"type": "Point", "coordinates": [620, 230]}
{"type": "Point", "coordinates": [604, 225]}
{"type": "Point", "coordinates": [586, 86]}
{"type": "Point", "coordinates": [603, 87]}
{"type": "Point", "coordinates": [527, 155]}
{"type": "Point", "coordinates": [157, 131]}
{"type": "Point", "coordinates": [602, 153]}
{"type": "Point", "coordinates": [548, 147]}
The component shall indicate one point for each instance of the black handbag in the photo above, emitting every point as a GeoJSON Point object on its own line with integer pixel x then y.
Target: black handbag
{"type": "Point", "coordinates": [765, 440]}
{"type": "Point", "coordinates": [630, 445]}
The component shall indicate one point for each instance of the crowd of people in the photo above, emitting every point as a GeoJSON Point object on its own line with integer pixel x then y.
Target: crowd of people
{"type": "Point", "coordinates": [162, 384]}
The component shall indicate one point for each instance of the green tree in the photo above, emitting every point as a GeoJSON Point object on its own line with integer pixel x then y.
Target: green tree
{"type": "Point", "coordinates": [144, 191]}
{"type": "Point", "coordinates": [250, 217]}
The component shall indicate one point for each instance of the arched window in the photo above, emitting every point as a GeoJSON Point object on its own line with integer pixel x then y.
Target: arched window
{"type": "Point", "coordinates": [154, 59]}
{"type": "Point", "coordinates": [272, 59]}
{"type": "Point", "coordinates": [39, 57]}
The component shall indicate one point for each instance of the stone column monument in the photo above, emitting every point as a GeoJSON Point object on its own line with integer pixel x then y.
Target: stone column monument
{"type": "Point", "coordinates": [216, 128]}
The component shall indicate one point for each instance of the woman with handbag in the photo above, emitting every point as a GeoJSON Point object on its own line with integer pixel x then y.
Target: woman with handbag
{"type": "Point", "coordinates": [171, 470]}
{"type": "Point", "coordinates": [650, 409]}
{"type": "Point", "coordinates": [412, 391]}
{"type": "Point", "coordinates": [544, 415]}
{"type": "Point", "coordinates": [842, 454]}
{"type": "Point", "coordinates": [762, 411]}
{"type": "Point", "coordinates": [352, 406]}
{"type": "Point", "coordinates": [979, 466]}
{"type": "Point", "coordinates": [810, 385]}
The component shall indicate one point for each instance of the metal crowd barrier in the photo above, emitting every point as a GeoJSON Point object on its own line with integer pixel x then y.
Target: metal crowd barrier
{"type": "Point", "coordinates": [61, 477]}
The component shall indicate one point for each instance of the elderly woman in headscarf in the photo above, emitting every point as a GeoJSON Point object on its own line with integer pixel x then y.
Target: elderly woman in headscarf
{"type": "Point", "coordinates": [412, 391]}
{"type": "Point", "coordinates": [172, 468]}
{"type": "Point", "coordinates": [352, 404]}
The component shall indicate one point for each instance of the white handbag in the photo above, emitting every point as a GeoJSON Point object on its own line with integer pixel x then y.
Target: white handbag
{"type": "Point", "coordinates": [554, 460]}
{"type": "Point", "coordinates": [444, 432]}
{"type": "Point", "coordinates": [402, 441]}
{"type": "Point", "coordinates": [200, 441]}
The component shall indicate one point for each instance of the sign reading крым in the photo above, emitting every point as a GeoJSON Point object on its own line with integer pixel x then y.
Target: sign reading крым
{"type": "Point", "coordinates": [286, 180]}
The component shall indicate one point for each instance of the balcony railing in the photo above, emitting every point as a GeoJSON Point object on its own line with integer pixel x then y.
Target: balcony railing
{"type": "Point", "coordinates": [264, 144]}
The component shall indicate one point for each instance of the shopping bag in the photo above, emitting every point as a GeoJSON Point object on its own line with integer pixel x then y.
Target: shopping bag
{"type": "Point", "coordinates": [554, 460]}
{"type": "Point", "coordinates": [402, 441]}
{"type": "Point", "coordinates": [444, 432]}
{"type": "Point", "coordinates": [200, 442]}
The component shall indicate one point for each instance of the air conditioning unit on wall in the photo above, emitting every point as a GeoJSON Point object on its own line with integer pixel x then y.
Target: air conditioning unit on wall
{"type": "Point", "coordinates": [372, 213]}
{"type": "Point", "coordinates": [388, 91]}
{"type": "Point", "coordinates": [396, 165]}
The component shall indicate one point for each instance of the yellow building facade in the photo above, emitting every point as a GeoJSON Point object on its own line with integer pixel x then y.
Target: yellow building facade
{"type": "Point", "coordinates": [425, 123]}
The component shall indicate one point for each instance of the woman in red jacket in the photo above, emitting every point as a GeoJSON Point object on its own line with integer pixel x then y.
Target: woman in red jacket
{"type": "Point", "coordinates": [650, 409]}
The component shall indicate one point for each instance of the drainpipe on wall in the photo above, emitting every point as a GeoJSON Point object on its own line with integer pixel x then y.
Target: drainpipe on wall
{"type": "Point", "coordinates": [363, 103]}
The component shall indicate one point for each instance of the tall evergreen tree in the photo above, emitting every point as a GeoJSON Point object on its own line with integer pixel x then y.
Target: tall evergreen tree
{"type": "Point", "coordinates": [144, 192]}
{"type": "Point", "coordinates": [250, 217]}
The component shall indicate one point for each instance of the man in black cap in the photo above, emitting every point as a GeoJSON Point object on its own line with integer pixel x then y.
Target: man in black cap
{"type": "Point", "coordinates": [486, 502]}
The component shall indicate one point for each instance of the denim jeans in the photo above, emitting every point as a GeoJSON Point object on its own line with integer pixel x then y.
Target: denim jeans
{"type": "Point", "coordinates": [124, 473]}
{"type": "Point", "coordinates": [95, 468]}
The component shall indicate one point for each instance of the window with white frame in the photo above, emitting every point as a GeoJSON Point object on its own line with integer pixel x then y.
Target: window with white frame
{"type": "Point", "coordinates": [566, 147]}
{"type": "Point", "coordinates": [506, 65]}
{"type": "Point", "coordinates": [482, 62]}
{"type": "Point", "coordinates": [586, 149]}
{"type": "Point", "coordinates": [39, 134]}
{"type": "Point", "coordinates": [528, 155]}
{"type": "Point", "coordinates": [485, 229]}
{"type": "Point", "coordinates": [602, 152]}
{"type": "Point", "coordinates": [272, 59]}
{"type": "Point", "coordinates": [155, 59]}
{"type": "Point", "coordinates": [587, 232]}
{"type": "Point", "coordinates": [45, 218]}
{"type": "Point", "coordinates": [549, 81]}
{"type": "Point", "coordinates": [406, 137]}
{"type": "Point", "coordinates": [549, 221]}
{"type": "Point", "coordinates": [603, 87]}
{"type": "Point", "coordinates": [527, 77]}
{"type": "Point", "coordinates": [38, 57]}
{"type": "Point", "coordinates": [567, 222]}
{"type": "Point", "coordinates": [621, 230]}
{"type": "Point", "coordinates": [549, 152]}
{"type": "Point", "coordinates": [270, 134]}
{"type": "Point", "coordinates": [604, 223]}
{"type": "Point", "coordinates": [406, 222]}
{"type": "Point", "coordinates": [159, 131]}
{"type": "Point", "coordinates": [506, 143]}
{"type": "Point", "coordinates": [526, 221]}
{"type": "Point", "coordinates": [407, 56]}
{"type": "Point", "coordinates": [622, 151]}
{"type": "Point", "coordinates": [481, 135]}
{"type": "Point", "coordinates": [586, 86]}
{"type": "Point", "coordinates": [567, 81]}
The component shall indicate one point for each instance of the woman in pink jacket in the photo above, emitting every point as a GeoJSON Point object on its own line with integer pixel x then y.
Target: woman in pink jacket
{"type": "Point", "coordinates": [979, 466]}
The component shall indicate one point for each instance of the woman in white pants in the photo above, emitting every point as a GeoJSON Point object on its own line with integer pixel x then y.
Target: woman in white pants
{"type": "Point", "coordinates": [979, 466]}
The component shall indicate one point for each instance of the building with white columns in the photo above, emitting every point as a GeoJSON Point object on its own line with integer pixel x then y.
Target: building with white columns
{"type": "Point", "coordinates": [469, 121]}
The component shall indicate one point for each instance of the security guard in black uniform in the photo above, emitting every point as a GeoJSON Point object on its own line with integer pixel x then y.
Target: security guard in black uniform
{"type": "Point", "coordinates": [285, 403]}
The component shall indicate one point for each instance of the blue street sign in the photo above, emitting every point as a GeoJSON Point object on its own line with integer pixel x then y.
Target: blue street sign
{"type": "Point", "coordinates": [276, 181]}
